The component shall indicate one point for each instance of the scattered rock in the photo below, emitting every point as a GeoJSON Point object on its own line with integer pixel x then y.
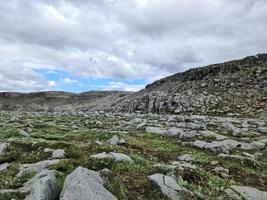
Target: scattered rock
{"type": "Point", "coordinates": [84, 184]}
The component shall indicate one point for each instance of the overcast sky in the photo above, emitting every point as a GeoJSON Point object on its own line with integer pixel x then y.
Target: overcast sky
{"type": "Point", "coordinates": [121, 44]}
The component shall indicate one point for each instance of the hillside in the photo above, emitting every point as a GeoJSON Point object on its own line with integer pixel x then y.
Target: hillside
{"type": "Point", "coordinates": [59, 101]}
{"type": "Point", "coordinates": [236, 87]}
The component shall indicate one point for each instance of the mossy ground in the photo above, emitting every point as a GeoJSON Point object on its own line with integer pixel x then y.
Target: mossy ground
{"type": "Point", "coordinates": [77, 136]}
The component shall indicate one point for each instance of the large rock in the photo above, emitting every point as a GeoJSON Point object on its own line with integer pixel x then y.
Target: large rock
{"type": "Point", "coordinates": [250, 193]}
{"type": "Point", "coordinates": [215, 146]}
{"type": "Point", "coordinates": [43, 186]}
{"type": "Point", "coordinates": [84, 184]}
{"type": "Point", "coordinates": [167, 184]}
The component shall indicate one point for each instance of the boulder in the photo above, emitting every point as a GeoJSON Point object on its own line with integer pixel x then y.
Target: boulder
{"type": "Point", "coordinates": [250, 193]}
{"type": "Point", "coordinates": [167, 184]}
{"type": "Point", "coordinates": [84, 184]}
{"type": "Point", "coordinates": [43, 186]}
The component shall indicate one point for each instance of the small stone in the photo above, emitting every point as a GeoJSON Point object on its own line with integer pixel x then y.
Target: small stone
{"type": "Point", "coordinates": [24, 133]}
{"type": "Point", "coordinates": [186, 158]}
{"type": "Point", "coordinates": [59, 153]}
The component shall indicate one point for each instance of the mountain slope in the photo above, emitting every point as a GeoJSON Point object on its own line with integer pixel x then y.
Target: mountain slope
{"type": "Point", "coordinates": [59, 101]}
{"type": "Point", "coordinates": [236, 87]}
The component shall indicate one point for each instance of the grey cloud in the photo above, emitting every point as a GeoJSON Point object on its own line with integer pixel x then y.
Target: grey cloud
{"type": "Point", "coordinates": [124, 39]}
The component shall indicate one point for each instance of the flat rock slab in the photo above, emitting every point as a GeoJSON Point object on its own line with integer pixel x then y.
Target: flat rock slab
{"type": "Point", "coordinates": [36, 167]}
{"type": "Point", "coordinates": [116, 156]}
{"type": "Point", "coordinates": [250, 193]}
{"type": "Point", "coordinates": [167, 184]}
{"type": "Point", "coordinates": [84, 184]}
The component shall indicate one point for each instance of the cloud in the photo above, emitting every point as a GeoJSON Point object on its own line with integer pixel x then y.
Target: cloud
{"type": "Point", "coordinates": [69, 81]}
{"type": "Point", "coordinates": [134, 39]}
{"type": "Point", "coordinates": [121, 86]}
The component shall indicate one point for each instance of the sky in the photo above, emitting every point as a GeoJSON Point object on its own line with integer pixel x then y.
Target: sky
{"type": "Point", "coordinates": [79, 45]}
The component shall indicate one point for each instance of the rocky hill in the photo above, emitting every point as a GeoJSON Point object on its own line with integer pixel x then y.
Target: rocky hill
{"type": "Point", "coordinates": [59, 101]}
{"type": "Point", "coordinates": [236, 87]}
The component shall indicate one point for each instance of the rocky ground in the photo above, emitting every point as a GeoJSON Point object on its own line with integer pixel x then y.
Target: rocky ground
{"type": "Point", "coordinates": [103, 155]}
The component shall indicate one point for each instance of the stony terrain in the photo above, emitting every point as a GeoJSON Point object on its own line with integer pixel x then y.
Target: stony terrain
{"type": "Point", "coordinates": [200, 134]}
{"type": "Point", "coordinates": [131, 156]}
{"type": "Point", "coordinates": [237, 88]}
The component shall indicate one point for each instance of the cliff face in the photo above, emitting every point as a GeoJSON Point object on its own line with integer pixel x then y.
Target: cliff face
{"type": "Point", "coordinates": [237, 87]}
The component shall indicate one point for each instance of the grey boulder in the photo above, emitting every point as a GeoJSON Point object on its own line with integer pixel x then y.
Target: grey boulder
{"type": "Point", "coordinates": [43, 186]}
{"type": "Point", "coordinates": [250, 193]}
{"type": "Point", "coordinates": [84, 184]}
{"type": "Point", "coordinates": [167, 184]}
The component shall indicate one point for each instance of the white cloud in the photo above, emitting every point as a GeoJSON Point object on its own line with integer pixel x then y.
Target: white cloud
{"type": "Point", "coordinates": [69, 81]}
{"type": "Point", "coordinates": [52, 83]}
{"type": "Point", "coordinates": [123, 86]}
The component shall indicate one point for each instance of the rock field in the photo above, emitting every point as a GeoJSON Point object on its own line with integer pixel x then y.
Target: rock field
{"type": "Point", "coordinates": [104, 155]}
